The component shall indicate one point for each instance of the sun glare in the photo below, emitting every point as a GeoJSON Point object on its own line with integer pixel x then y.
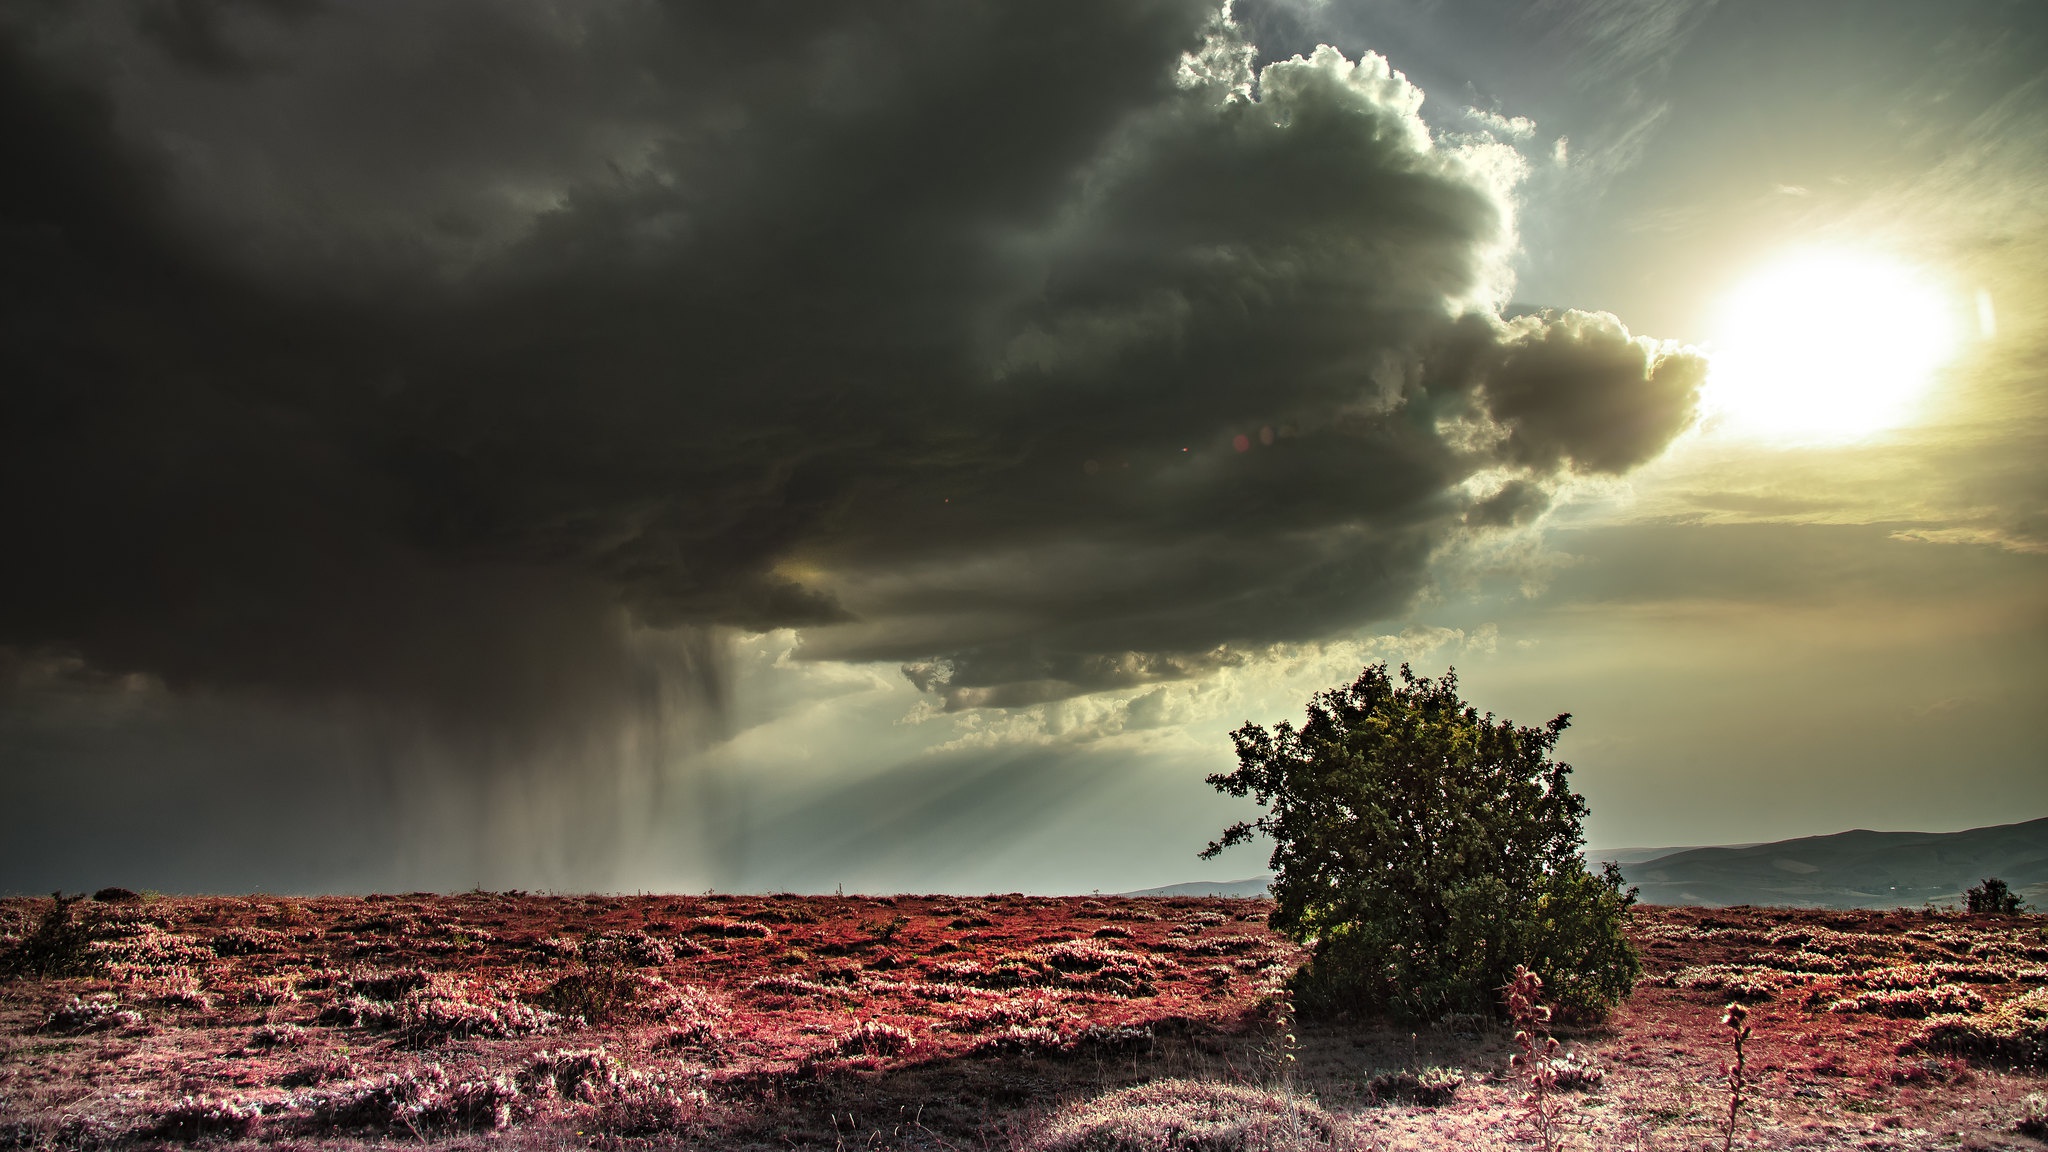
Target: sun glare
{"type": "Point", "coordinates": [1828, 346]}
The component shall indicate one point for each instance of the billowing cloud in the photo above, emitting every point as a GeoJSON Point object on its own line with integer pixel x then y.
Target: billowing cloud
{"type": "Point", "coordinates": [477, 363]}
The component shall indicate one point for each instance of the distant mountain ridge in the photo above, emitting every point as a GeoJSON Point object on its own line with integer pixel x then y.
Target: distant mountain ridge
{"type": "Point", "coordinates": [1250, 888]}
{"type": "Point", "coordinates": [1855, 869]}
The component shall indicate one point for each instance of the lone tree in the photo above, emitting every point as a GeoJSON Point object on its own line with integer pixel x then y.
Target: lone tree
{"type": "Point", "coordinates": [1993, 898]}
{"type": "Point", "coordinates": [1425, 850]}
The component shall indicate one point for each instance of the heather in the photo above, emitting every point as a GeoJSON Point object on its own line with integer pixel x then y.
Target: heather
{"type": "Point", "coordinates": [1003, 1022]}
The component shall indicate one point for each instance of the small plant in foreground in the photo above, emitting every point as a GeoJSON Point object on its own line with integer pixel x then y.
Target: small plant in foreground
{"type": "Point", "coordinates": [884, 931]}
{"type": "Point", "coordinates": [95, 1013]}
{"type": "Point", "coordinates": [1736, 1019]}
{"type": "Point", "coordinates": [2033, 1119]}
{"type": "Point", "coordinates": [875, 1038]}
{"type": "Point", "coordinates": [1187, 1114]}
{"type": "Point", "coordinates": [196, 1117]}
{"type": "Point", "coordinates": [1992, 898]}
{"type": "Point", "coordinates": [1571, 1072]}
{"type": "Point", "coordinates": [1432, 1087]}
{"type": "Point", "coordinates": [1537, 1060]}
{"type": "Point", "coordinates": [598, 993]}
{"type": "Point", "coordinates": [1280, 1049]}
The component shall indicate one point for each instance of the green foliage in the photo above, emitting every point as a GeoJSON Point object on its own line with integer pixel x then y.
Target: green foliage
{"type": "Point", "coordinates": [1993, 898]}
{"type": "Point", "coordinates": [58, 947]}
{"type": "Point", "coordinates": [1425, 851]}
{"type": "Point", "coordinates": [884, 931]}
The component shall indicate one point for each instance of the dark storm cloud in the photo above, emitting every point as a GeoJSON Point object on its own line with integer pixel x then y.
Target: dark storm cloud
{"type": "Point", "coordinates": [451, 358]}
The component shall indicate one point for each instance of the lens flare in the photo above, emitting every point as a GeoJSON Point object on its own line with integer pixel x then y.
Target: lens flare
{"type": "Point", "coordinates": [1828, 346]}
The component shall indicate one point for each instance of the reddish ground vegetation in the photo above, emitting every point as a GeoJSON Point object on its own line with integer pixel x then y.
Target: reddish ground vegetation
{"type": "Point", "coordinates": [942, 1022]}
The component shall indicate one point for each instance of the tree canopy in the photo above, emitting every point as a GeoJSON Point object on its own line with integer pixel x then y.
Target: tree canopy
{"type": "Point", "coordinates": [1425, 850]}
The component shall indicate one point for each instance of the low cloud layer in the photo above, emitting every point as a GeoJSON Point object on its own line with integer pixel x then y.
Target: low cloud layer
{"type": "Point", "coordinates": [477, 364]}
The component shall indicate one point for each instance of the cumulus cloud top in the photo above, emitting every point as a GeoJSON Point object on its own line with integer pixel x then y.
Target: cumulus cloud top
{"type": "Point", "coordinates": [441, 355]}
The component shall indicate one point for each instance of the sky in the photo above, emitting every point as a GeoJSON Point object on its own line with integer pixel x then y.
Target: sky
{"type": "Point", "coordinates": [889, 447]}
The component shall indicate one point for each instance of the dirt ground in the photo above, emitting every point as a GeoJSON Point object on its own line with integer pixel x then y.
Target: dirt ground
{"type": "Point", "coordinates": [491, 1020]}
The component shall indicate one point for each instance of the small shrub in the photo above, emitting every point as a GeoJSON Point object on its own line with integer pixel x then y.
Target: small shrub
{"type": "Point", "coordinates": [577, 1074]}
{"type": "Point", "coordinates": [417, 1102]}
{"type": "Point", "coordinates": [1110, 1039]}
{"type": "Point", "coordinates": [117, 896]}
{"type": "Point", "coordinates": [943, 992]}
{"type": "Point", "coordinates": [278, 1036]}
{"type": "Point", "coordinates": [1019, 1040]}
{"type": "Point", "coordinates": [730, 929]}
{"type": "Point", "coordinates": [390, 985]}
{"type": "Point", "coordinates": [1432, 1087]}
{"type": "Point", "coordinates": [197, 1117]}
{"type": "Point", "coordinates": [354, 1011]}
{"type": "Point", "coordinates": [95, 1013]}
{"type": "Point", "coordinates": [884, 931]}
{"type": "Point", "coordinates": [1223, 946]}
{"type": "Point", "coordinates": [473, 1105]}
{"type": "Point", "coordinates": [1130, 979]}
{"type": "Point", "coordinates": [390, 1101]}
{"type": "Point", "coordinates": [314, 1075]}
{"type": "Point", "coordinates": [599, 993]}
{"type": "Point", "coordinates": [153, 949]}
{"type": "Point", "coordinates": [2033, 1118]}
{"type": "Point", "coordinates": [1187, 1114]}
{"type": "Point", "coordinates": [700, 1036]}
{"type": "Point", "coordinates": [1726, 981]}
{"type": "Point", "coordinates": [1571, 1072]}
{"type": "Point", "coordinates": [634, 949]}
{"type": "Point", "coordinates": [2016, 1030]}
{"type": "Point", "coordinates": [1912, 1003]}
{"type": "Point", "coordinates": [1025, 1011]}
{"type": "Point", "coordinates": [249, 942]}
{"type": "Point", "coordinates": [875, 1038]}
{"type": "Point", "coordinates": [429, 1018]}
{"type": "Point", "coordinates": [638, 1104]}
{"type": "Point", "coordinates": [58, 947]}
{"type": "Point", "coordinates": [794, 987]}
{"type": "Point", "coordinates": [1992, 898]}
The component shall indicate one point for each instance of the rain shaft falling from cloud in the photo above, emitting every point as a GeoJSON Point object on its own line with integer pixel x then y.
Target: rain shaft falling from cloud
{"type": "Point", "coordinates": [451, 376]}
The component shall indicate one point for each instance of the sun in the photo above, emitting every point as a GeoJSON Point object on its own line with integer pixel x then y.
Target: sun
{"type": "Point", "coordinates": [1828, 345]}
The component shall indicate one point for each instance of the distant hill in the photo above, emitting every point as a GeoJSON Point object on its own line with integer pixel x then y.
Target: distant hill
{"type": "Point", "coordinates": [1598, 856]}
{"type": "Point", "coordinates": [1253, 887]}
{"type": "Point", "coordinates": [1859, 869]}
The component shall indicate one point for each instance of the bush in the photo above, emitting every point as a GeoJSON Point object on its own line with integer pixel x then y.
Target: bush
{"type": "Point", "coordinates": [1432, 1087]}
{"type": "Point", "coordinates": [875, 1038]}
{"type": "Point", "coordinates": [197, 1117]}
{"type": "Point", "coordinates": [1425, 851]}
{"type": "Point", "coordinates": [96, 1013]}
{"type": "Point", "coordinates": [2015, 1031]}
{"type": "Point", "coordinates": [1188, 1116]}
{"type": "Point", "coordinates": [2033, 1118]}
{"type": "Point", "coordinates": [58, 947]}
{"type": "Point", "coordinates": [599, 993]}
{"type": "Point", "coordinates": [1992, 898]}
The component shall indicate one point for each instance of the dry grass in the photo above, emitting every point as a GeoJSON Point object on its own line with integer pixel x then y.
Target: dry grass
{"type": "Point", "coordinates": [512, 1021]}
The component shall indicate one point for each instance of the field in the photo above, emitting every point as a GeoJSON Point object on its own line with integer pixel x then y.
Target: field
{"type": "Point", "coordinates": [514, 1021]}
